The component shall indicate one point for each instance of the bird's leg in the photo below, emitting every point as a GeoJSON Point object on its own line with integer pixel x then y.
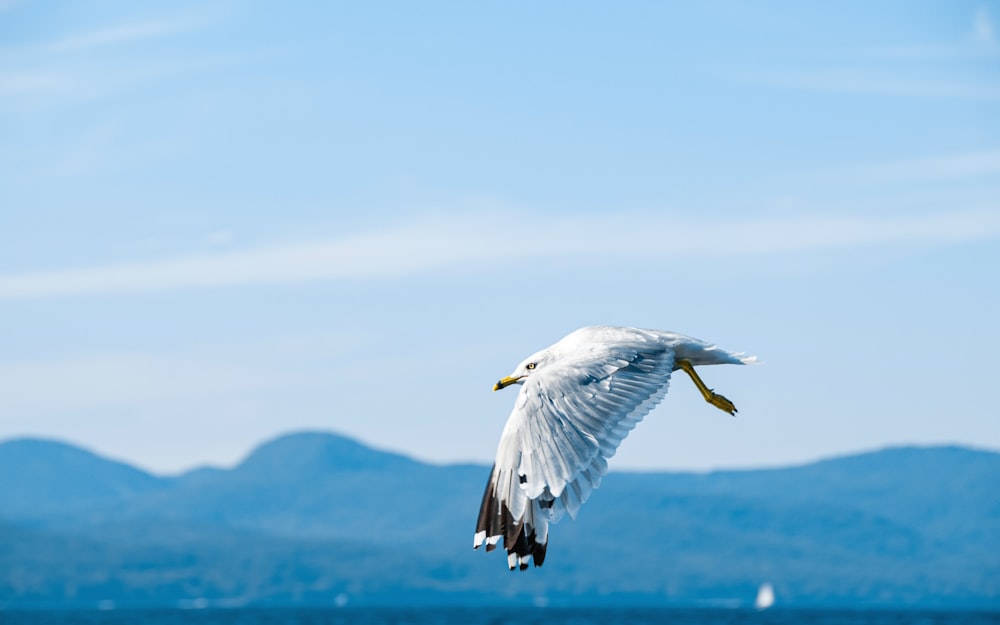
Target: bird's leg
{"type": "Point", "coordinates": [715, 399]}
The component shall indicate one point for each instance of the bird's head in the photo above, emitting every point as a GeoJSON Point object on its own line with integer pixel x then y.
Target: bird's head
{"type": "Point", "coordinates": [528, 366]}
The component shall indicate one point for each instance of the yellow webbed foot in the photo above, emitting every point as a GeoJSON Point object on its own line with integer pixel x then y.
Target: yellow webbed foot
{"type": "Point", "coordinates": [710, 396]}
{"type": "Point", "coordinates": [721, 403]}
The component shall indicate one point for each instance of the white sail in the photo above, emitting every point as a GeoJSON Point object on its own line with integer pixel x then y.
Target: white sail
{"type": "Point", "coordinates": [765, 596]}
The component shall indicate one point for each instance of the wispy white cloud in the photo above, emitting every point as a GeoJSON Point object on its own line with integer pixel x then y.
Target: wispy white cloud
{"type": "Point", "coordinates": [900, 69]}
{"type": "Point", "coordinates": [59, 69]}
{"type": "Point", "coordinates": [120, 379]}
{"type": "Point", "coordinates": [86, 154]}
{"type": "Point", "coordinates": [982, 27]}
{"type": "Point", "coordinates": [7, 5]}
{"type": "Point", "coordinates": [980, 164]}
{"type": "Point", "coordinates": [26, 83]}
{"type": "Point", "coordinates": [41, 52]}
{"type": "Point", "coordinates": [105, 380]}
{"type": "Point", "coordinates": [122, 33]}
{"type": "Point", "coordinates": [868, 82]}
{"type": "Point", "coordinates": [434, 243]}
{"type": "Point", "coordinates": [957, 52]}
{"type": "Point", "coordinates": [219, 238]}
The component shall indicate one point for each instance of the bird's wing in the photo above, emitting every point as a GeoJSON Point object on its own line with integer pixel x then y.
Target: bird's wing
{"type": "Point", "coordinates": [566, 423]}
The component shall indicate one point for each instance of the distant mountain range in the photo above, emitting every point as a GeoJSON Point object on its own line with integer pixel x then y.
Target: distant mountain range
{"type": "Point", "coordinates": [319, 519]}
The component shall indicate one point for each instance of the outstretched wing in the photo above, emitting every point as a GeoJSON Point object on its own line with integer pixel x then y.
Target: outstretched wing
{"type": "Point", "coordinates": [568, 420]}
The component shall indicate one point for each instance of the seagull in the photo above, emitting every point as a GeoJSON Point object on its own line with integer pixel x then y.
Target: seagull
{"type": "Point", "coordinates": [578, 400]}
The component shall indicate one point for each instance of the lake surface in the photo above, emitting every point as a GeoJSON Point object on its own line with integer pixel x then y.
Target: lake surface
{"type": "Point", "coordinates": [495, 616]}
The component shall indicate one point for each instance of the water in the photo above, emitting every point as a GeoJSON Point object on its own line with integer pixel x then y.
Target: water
{"type": "Point", "coordinates": [496, 616]}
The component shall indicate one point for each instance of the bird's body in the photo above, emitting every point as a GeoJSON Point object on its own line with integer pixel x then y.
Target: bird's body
{"type": "Point", "coordinates": [579, 399]}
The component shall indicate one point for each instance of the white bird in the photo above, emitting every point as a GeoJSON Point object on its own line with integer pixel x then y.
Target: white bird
{"type": "Point", "coordinates": [579, 399]}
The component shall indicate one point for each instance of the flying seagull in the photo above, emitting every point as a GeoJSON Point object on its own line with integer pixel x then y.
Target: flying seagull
{"type": "Point", "coordinates": [579, 399]}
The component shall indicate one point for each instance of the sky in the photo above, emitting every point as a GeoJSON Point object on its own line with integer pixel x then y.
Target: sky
{"type": "Point", "coordinates": [224, 221]}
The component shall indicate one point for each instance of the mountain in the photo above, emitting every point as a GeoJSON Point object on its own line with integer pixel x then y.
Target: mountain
{"type": "Point", "coordinates": [316, 518]}
{"type": "Point", "coordinates": [44, 478]}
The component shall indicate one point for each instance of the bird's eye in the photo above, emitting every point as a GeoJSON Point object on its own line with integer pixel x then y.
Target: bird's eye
{"type": "Point", "coordinates": [530, 366]}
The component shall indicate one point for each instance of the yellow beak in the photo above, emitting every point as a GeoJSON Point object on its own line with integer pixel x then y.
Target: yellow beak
{"type": "Point", "coordinates": [504, 383]}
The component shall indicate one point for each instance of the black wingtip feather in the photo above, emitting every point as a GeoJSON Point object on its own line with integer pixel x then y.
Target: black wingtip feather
{"type": "Point", "coordinates": [519, 537]}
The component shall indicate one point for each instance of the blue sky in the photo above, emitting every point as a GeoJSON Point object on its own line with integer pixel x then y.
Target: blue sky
{"type": "Point", "coordinates": [223, 221]}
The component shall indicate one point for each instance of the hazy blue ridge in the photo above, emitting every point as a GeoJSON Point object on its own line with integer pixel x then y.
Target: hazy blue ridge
{"type": "Point", "coordinates": [316, 519]}
{"type": "Point", "coordinates": [43, 479]}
